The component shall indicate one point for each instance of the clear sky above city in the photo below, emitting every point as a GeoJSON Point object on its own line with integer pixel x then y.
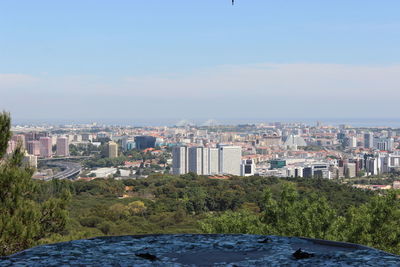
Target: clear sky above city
{"type": "Point", "coordinates": [153, 60]}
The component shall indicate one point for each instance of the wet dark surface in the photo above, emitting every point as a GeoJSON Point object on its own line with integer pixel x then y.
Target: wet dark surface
{"type": "Point", "coordinates": [200, 250]}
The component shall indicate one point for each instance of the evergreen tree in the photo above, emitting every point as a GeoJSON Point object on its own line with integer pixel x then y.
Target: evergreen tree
{"type": "Point", "coordinates": [23, 220]}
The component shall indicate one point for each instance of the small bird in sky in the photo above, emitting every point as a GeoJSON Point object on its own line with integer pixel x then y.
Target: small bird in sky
{"type": "Point", "coordinates": [233, 2]}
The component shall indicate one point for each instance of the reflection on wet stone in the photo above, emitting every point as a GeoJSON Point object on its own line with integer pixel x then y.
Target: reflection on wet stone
{"type": "Point", "coordinates": [201, 250]}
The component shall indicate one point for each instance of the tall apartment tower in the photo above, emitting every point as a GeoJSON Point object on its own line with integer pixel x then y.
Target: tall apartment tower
{"type": "Point", "coordinates": [62, 147]}
{"type": "Point", "coordinates": [213, 161]}
{"type": "Point", "coordinates": [180, 160]}
{"type": "Point", "coordinates": [369, 140]}
{"type": "Point", "coordinates": [45, 147]}
{"type": "Point", "coordinates": [230, 159]}
{"type": "Point", "coordinates": [198, 160]}
{"type": "Point", "coordinates": [19, 139]}
{"type": "Point", "coordinates": [207, 161]}
{"type": "Point", "coordinates": [112, 149]}
{"type": "Point", "coordinates": [33, 148]}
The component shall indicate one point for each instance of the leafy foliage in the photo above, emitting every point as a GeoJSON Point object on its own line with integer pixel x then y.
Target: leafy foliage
{"type": "Point", "coordinates": [375, 223]}
{"type": "Point", "coordinates": [23, 219]}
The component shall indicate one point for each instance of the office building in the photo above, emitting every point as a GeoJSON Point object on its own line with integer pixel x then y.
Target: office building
{"type": "Point", "coordinates": [294, 171]}
{"type": "Point", "coordinates": [62, 147]}
{"type": "Point", "coordinates": [143, 142]}
{"type": "Point", "coordinates": [45, 147]}
{"type": "Point", "coordinates": [127, 143]}
{"type": "Point", "coordinates": [130, 145]}
{"type": "Point", "coordinates": [112, 149]}
{"type": "Point", "coordinates": [277, 163]}
{"type": "Point", "coordinates": [317, 170]}
{"type": "Point", "coordinates": [247, 167]}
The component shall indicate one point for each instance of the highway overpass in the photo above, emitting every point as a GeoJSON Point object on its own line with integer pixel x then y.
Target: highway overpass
{"type": "Point", "coordinates": [69, 170]}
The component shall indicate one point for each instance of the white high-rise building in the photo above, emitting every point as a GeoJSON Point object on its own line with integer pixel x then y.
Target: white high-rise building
{"type": "Point", "coordinates": [213, 161]}
{"type": "Point", "coordinates": [195, 160]}
{"type": "Point", "coordinates": [198, 160]}
{"type": "Point", "coordinates": [179, 160]}
{"type": "Point", "coordinates": [207, 161]}
{"type": "Point", "coordinates": [230, 158]}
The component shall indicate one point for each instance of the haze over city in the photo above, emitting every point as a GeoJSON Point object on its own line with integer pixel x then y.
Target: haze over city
{"type": "Point", "coordinates": [157, 62]}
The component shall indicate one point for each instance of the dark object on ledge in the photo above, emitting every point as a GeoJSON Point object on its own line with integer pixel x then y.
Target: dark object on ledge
{"type": "Point", "coordinates": [265, 241]}
{"type": "Point", "coordinates": [199, 250]}
{"type": "Point", "coordinates": [147, 256]}
{"type": "Point", "coordinates": [299, 254]}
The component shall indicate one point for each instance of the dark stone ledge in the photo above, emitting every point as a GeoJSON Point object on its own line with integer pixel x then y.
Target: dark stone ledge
{"type": "Point", "coordinates": [201, 250]}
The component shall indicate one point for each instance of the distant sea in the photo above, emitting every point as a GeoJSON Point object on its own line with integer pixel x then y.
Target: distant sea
{"type": "Point", "coordinates": [360, 122]}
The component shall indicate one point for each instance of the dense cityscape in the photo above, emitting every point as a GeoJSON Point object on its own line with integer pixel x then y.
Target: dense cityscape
{"type": "Point", "coordinates": [344, 153]}
{"type": "Point", "coordinates": [199, 133]}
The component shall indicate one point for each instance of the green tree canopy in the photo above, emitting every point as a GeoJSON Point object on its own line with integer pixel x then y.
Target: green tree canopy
{"type": "Point", "coordinates": [23, 219]}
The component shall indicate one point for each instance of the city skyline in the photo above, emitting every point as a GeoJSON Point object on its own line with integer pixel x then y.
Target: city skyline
{"type": "Point", "coordinates": [200, 122]}
{"type": "Point", "coordinates": [259, 59]}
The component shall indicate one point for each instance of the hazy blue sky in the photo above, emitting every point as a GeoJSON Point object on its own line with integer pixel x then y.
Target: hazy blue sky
{"type": "Point", "coordinates": [170, 59]}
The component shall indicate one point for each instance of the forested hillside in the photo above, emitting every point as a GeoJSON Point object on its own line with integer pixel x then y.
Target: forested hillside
{"type": "Point", "coordinates": [194, 204]}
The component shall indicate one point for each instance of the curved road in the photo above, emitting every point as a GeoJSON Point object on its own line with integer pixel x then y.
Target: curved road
{"type": "Point", "coordinates": [69, 170]}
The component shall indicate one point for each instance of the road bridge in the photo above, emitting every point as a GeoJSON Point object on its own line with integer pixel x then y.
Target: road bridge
{"type": "Point", "coordinates": [69, 170]}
